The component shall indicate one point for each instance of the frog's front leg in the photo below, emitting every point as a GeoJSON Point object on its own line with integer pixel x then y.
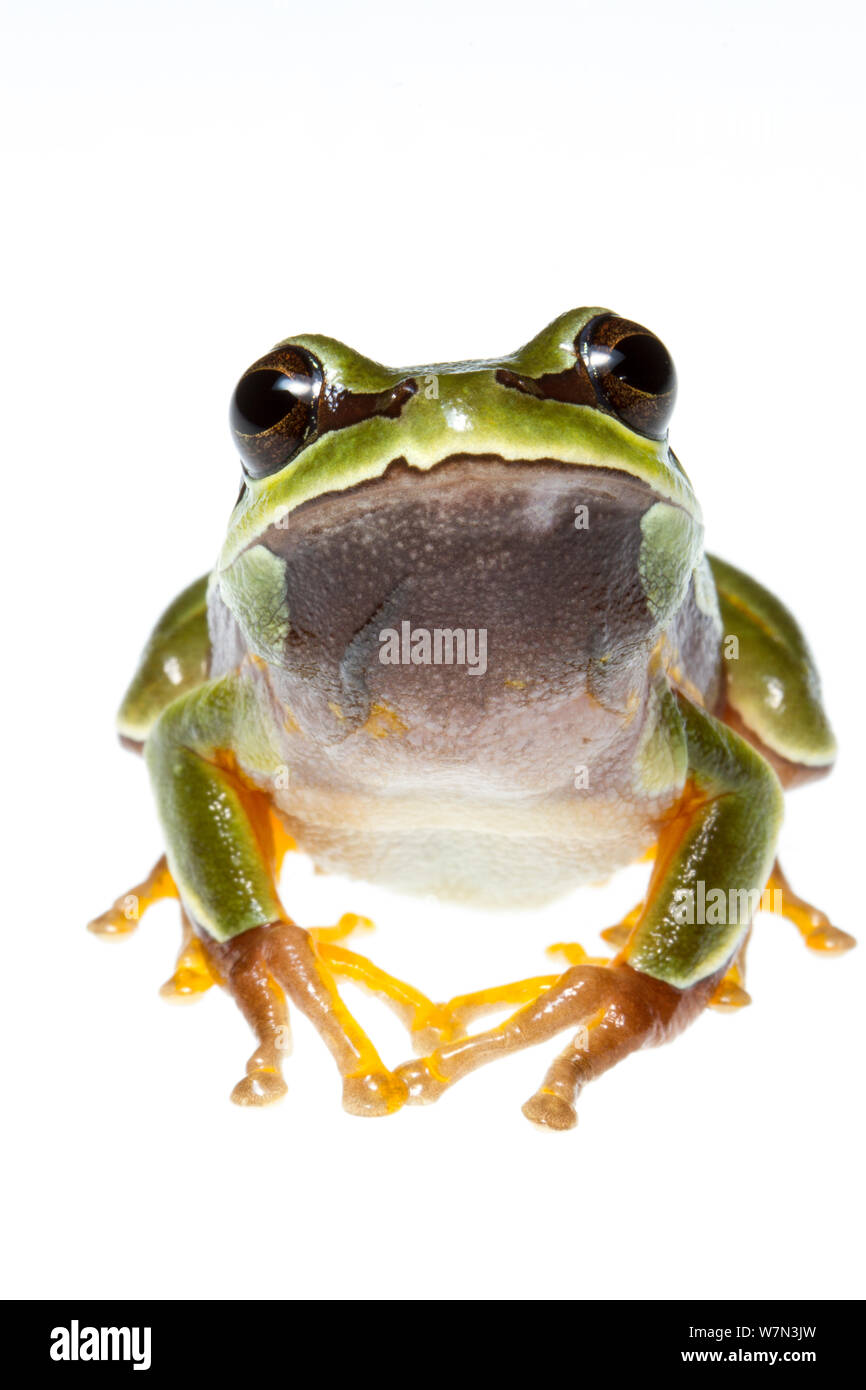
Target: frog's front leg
{"type": "Point", "coordinates": [720, 839]}
{"type": "Point", "coordinates": [221, 855]}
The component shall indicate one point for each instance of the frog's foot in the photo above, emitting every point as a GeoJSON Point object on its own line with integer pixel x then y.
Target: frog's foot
{"type": "Point", "coordinates": [428, 1024]}
{"type": "Point", "coordinates": [813, 925]}
{"type": "Point", "coordinates": [259, 968]}
{"type": "Point", "coordinates": [616, 1010]}
{"type": "Point", "coordinates": [127, 911]}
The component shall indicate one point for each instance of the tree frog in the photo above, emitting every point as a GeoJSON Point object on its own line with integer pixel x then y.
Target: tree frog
{"type": "Point", "coordinates": [462, 637]}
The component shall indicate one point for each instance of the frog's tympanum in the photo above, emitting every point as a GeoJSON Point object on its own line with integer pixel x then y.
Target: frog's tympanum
{"type": "Point", "coordinates": [462, 638]}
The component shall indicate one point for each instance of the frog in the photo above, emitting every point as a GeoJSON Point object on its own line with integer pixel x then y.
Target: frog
{"type": "Point", "coordinates": [463, 638]}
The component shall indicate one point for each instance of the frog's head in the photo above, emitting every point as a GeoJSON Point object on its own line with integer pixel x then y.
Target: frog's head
{"type": "Point", "coordinates": [467, 465]}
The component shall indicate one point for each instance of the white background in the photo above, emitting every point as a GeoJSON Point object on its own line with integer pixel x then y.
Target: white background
{"type": "Point", "coordinates": [185, 184]}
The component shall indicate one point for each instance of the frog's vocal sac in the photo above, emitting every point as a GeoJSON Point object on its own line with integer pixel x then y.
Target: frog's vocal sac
{"type": "Point", "coordinates": [463, 638]}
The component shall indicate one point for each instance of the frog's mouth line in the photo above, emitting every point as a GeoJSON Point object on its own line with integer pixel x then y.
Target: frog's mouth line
{"type": "Point", "coordinates": [470, 474]}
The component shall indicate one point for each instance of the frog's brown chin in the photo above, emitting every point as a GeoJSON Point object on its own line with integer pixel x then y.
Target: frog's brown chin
{"type": "Point", "coordinates": [539, 555]}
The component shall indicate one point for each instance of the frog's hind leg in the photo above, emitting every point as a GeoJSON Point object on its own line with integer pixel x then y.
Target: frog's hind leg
{"type": "Point", "coordinates": [772, 691]}
{"type": "Point", "coordinates": [773, 700]}
{"type": "Point", "coordinates": [175, 660]}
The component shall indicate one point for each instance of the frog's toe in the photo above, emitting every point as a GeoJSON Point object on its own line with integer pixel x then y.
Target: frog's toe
{"type": "Point", "coordinates": [426, 1040]}
{"type": "Point", "coordinates": [433, 1026]}
{"type": "Point", "coordinates": [813, 925]}
{"type": "Point", "coordinates": [422, 1083]}
{"type": "Point", "coordinates": [185, 986]}
{"type": "Point", "coordinates": [831, 939]}
{"type": "Point", "coordinates": [729, 996]}
{"type": "Point", "coordinates": [192, 975]}
{"type": "Point", "coordinates": [374, 1093]}
{"type": "Point", "coordinates": [113, 924]}
{"type": "Point", "coordinates": [618, 935]}
{"type": "Point", "coordinates": [730, 993]}
{"type": "Point", "coordinates": [348, 924]}
{"type": "Point", "coordinates": [126, 911]}
{"type": "Point", "coordinates": [549, 1110]}
{"type": "Point", "coordinates": [262, 1086]}
{"type": "Point", "coordinates": [574, 954]}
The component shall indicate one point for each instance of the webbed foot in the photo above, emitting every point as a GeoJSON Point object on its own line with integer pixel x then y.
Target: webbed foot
{"type": "Point", "coordinates": [615, 1010]}
{"type": "Point", "coordinates": [263, 966]}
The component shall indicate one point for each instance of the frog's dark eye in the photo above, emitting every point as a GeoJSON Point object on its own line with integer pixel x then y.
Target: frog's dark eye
{"type": "Point", "coordinates": [632, 372]}
{"type": "Point", "coordinates": [273, 410]}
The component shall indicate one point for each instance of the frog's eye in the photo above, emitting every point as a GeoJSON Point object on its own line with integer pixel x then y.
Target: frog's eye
{"type": "Point", "coordinates": [632, 372]}
{"type": "Point", "coordinates": [273, 410]}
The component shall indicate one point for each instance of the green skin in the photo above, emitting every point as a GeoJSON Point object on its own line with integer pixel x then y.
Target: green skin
{"type": "Point", "coordinates": [184, 719]}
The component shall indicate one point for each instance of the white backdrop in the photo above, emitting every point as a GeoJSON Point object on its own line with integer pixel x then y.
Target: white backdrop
{"type": "Point", "coordinates": [184, 184]}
